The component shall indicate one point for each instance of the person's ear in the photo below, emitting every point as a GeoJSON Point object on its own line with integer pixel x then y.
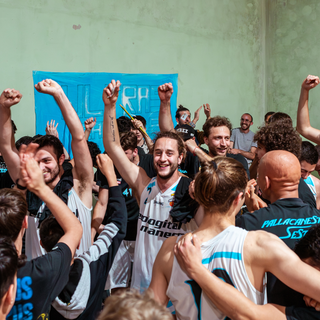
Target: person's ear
{"type": "Point", "coordinates": [8, 299]}
{"type": "Point", "coordinates": [267, 181]}
{"type": "Point", "coordinates": [61, 159]}
{"type": "Point", "coordinates": [180, 158]}
{"type": "Point", "coordinates": [135, 152]}
{"type": "Point", "coordinates": [25, 222]}
{"type": "Point", "coordinates": [205, 139]}
{"type": "Point", "coordinates": [239, 198]}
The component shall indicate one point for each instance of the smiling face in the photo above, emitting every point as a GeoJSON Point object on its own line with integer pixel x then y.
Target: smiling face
{"type": "Point", "coordinates": [47, 161]}
{"type": "Point", "coordinates": [218, 140]}
{"type": "Point", "coordinates": [166, 158]}
{"type": "Point", "coordinates": [245, 122]}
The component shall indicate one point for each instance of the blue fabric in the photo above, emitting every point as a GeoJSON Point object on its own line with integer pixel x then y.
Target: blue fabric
{"type": "Point", "coordinates": [138, 94]}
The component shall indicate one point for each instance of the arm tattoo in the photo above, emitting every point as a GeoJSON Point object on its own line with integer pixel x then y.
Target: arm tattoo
{"type": "Point", "coordinates": [112, 129]}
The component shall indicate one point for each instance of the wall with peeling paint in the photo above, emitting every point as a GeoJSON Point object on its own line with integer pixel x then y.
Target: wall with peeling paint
{"type": "Point", "coordinates": [293, 52]}
{"type": "Point", "coordinates": [216, 47]}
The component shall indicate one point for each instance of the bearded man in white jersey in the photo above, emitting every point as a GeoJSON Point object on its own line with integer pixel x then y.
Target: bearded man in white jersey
{"type": "Point", "coordinates": [157, 197]}
{"type": "Point", "coordinates": [239, 257]}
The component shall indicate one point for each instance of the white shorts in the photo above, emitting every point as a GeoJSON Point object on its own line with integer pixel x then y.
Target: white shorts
{"type": "Point", "coordinates": [120, 272]}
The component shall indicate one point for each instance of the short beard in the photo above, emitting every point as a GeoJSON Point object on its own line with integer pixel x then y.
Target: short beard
{"type": "Point", "coordinates": [169, 175]}
{"type": "Point", "coordinates": [54, 177]}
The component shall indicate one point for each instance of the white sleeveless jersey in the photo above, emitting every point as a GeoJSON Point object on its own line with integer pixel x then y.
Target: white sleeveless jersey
{"type": "Point", "coordinates": [154, 227]}
{"type": "Point", "coordinates": [223, 256]}
{"type": "Point", "coordinates": [310, 183]}
{"type": "Point", "coordinates": [32, 244]}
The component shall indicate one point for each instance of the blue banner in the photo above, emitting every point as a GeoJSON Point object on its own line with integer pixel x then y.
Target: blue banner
{"type": "Point", "coordinates": [138, 94]}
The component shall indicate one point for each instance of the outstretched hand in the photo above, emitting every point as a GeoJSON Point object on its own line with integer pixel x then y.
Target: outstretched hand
{"type": "Point", "coordinates": [90, 123]}
{"type": "Point", "coordinates": [10, 97]}
{"type": "Point", "coordinates": [197, 114]}
{"type": "Point", "coordinates": [111, 92]}
{"type": "Point", "coordinates": [310, 82]}
{"type": "Point", "coordinates": [30, 172]}
{"type": "Point", "coordinates": [165, 92]}
{"type": "Point", "coordinates": [207, 110]}
{"type": "Point", "coordinates": [51, 129]}
{"type": "Point", "coordinates": [188, 253]}
{"type": "Point", "coordinates": [48, 86]}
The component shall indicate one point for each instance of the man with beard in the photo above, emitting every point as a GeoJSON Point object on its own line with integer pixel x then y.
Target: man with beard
{"type": "Point", "coordinates": [72, 184]}
{"type": "Point", "coordinates": [241, 141]}
{"type": "Point", "coordinates": [165, 206]}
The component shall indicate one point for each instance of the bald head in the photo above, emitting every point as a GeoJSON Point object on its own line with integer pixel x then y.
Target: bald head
{"type": "Point", "coordinates": [279, 175]}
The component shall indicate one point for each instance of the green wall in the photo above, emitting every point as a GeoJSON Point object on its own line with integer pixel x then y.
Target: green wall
{"type": "Point", "coordinates": [216, 47]}
{"type": "Point", "coordinates": [293, 52]}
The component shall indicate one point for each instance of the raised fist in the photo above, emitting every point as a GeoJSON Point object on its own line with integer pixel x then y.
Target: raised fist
{"type": "Point", "coordinates": [165, 92]}
{"type": "Point", "coordinates": [10, 97]}
{"type": "Point", "coordinates": [111, 92]}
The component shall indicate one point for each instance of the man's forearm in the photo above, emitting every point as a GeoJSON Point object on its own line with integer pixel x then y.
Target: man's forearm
{"type": "Point", "coordinates": [303, 120]}
{"type": "Point", "coordinates": [165, 119]}
{"type": "Point", "coordinates": [247, 154]}
{"type": "Point", "coordinates": [110, 129]}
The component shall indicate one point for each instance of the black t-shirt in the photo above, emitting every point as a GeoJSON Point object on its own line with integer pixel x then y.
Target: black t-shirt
{"type": "Point", "coordinates": [190, 166]}
{"type": "Point", "coordinates": [289, 219]}
{"type": "Point", "coordinates": [302, 313]}
{"type": "Point", "coordinates": [242, 160]}
{"type": "Point", "coordinates": [39, 282]}
{"type": "Point", "coordinates": [5, 179]}
{"type": "Point", "coordinates": [146, 162]}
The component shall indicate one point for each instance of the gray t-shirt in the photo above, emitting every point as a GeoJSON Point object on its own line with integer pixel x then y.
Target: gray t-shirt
{"type": "Point", "coordinates": [243, 141]}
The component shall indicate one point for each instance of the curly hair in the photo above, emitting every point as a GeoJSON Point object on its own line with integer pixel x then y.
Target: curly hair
{"type": "Point", "coordinates": [279, 135]}
{"type": "Point", "coordinates": [309, 246]}
{"type": "Point", "coordinates": [216, 121]}
{"type": "Point", "coordinates": [128, 141]}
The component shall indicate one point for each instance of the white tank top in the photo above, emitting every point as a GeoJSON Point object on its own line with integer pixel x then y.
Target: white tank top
{"type": "Point", "coordinates": [154, 227]}
{"type": "Point", "coordinates": [310, 183]}
{"type": "Point", "coordinates": [33, 247]}
{"type": "Point", "coordinates": [223, 256]}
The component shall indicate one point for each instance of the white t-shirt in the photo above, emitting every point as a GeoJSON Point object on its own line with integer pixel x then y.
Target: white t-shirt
{"type": "Point", "coordinates": [33, 247]}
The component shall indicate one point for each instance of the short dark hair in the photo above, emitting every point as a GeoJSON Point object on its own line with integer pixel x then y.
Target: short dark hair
{"type": "Point", "coordinates": [318, 149]}
{"type": "Point", "coordinates": [129, 141]}
{"type": "Point", "coordinates": [50, 233]}
{"type": "Point", "coordinates": [279, 135]}
{"type": "Point", "coordinates": [309, 246]}
{"type": "Point", "coordinates": [180, 108]}
{"type": "Point", "coordinates": [309, 153]}
{"type": "Point", "coordinates": [23, 140]}
{"type": "Point", "coordinates": [13, 209]}
{"type": "Point", "coordinates": [280, 116]}
{"type": "Point", "coordinates": [124, 124]}
{"type": "Point", "coordinates": [215, 122]}
{"type": "Point", "coordinates": [94, 151]}
{"type": "Point", "coordinates": [9, 264]}
{"type": "Point", "coordinates": [142, 119]}
{"type": "Point", "coordinates": [174, 136]}
{"type": "Point", "coordinates": [50, 141]}
{"type": "Point", "coordinates": [249, 115]}
{"type": "Point", "coordinates": [270, 113]}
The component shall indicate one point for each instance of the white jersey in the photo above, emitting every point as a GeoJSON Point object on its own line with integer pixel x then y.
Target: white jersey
{"type": "Point", "coordinates": [223, 256]}
{"type": "Point", "coordinates": [154, 227]}
{"type": "Point", "coordinates": [33, 247]}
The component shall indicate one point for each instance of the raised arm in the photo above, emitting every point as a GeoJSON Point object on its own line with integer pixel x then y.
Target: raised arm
{"type": "Point", "coordinates": [135, 176]}
{"type": "Point", "coordinates": [83, 171]}
{"type": "Point", "coordinates": [8, 98]}
{"type": "Point", "coordinates": [225, 297]}
{"type": "Point", "coordinates": [197, 151]}
{"type": "Point", "coordinates": [89, 124]}
{"type": "Point", "coordinates": [303, 119]}
{"type": "Point", "coordinates": [196, 116]}
{"type": "Point", "coordinates": [165, 120]}
{"type": "Point", "coordinates": [33, 177]}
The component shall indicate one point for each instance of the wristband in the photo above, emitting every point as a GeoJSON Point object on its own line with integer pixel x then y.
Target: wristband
{"type": "Point", "coordinates": [194, 150]}
{"type": "Point", "coordinates": [192, 124]}
{"type": "Point", "coordinates": [20, 187]}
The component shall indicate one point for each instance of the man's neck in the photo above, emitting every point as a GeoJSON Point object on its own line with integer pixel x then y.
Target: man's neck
{"type": "Point", "coordinates": [283, 195]}
{"type": "Point", "coordinates": [140, 143]}
{"type": "Point", "coordinates": [165, 184]}
{"type": "Point", "coordinates": [136, 159]}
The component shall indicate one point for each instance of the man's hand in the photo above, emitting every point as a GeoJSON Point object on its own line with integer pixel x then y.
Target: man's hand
{"type": "Point", "coordinates": [105, 165]}
{"type": "Point", "coordinates": [207, 110]}
{"type": "Point", "coordinates": [90, 123]}
{"type": "Point", "coordinates": [51, 129]}
{"type": "Point", "coordinates": [196, 115]}
{"type": "Point", "coordinates": [10, 97]}
{"type": "Point", "coordinates": [311, 303]}
{"type": "Point", "coordinates": [189, 255]}
{"type": "Point", "coordinates": [137, 123]}
{"type": "Point", "coordinates": [30, 171]}
{"type": "Point", "coordinates": [48, 86]}
{"type": "Point", "coordinates": [111, 92]}
{"type": "Point", "coordinates": [310, 82]}
{"type": "Point", "coordinates": [234, 151]}
{"type": "Point", "coordinates": [191, 145]}
{"type": "Point", "coordinates": [165, 92]}
{"type": "Point", "coordinates": [252, 201]}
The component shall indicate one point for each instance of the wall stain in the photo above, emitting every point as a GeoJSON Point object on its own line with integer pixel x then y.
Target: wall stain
{"type": "Point", "coordinates": [76, 27]}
